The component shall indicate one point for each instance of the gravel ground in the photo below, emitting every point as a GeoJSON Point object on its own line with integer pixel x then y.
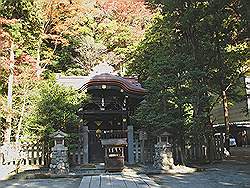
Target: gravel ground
{"type": "Point", "coordinates": [42, 183]}
{"type": "Point", "coordinates": [231, 173]}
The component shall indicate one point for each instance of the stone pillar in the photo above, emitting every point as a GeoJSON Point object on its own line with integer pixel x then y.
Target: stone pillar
{"type": "Point", "coordinates": [59, 160]}
{"type": "Point", "coordinates": [85, 144]}
{"type": "Point", "coordinates": [131, 159]}
{"type": "Point", "coordinates": [163, 158]}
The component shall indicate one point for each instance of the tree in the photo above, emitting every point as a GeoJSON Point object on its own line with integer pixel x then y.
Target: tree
{"type": "Point", "coordinates": [11, 41]}
{"type": "Point", "coordinates": [122, 27]}
{"type": "Point", "coordinates": [25, 79]}
{"type": "Point", "coordinates": [178, 62]}
{"type": "Point", "coordinates": [101, 35]}
{"type": "Point", "coordinates": [7, 41]}
{"type": "Point", "coordinates": [165, 75]}
{"type": "Point", "coordinates": [53, 107]}
{"type": "Point", "coordinates": [60, 36]}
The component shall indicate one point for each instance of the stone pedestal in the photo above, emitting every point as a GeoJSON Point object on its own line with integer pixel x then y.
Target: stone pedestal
{"type": "Point", "coordinates": [59, 160]}
{"type": "Point", "coordinates": [163, 158]}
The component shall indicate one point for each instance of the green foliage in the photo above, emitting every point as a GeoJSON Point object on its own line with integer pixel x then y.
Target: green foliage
{"type": "Point", "coordinates": [100, 35]}
{"type": "Point", "coordinates": [191, 52]}
{"type": "Point", "coordinates": [53, 107]}
{"type": "Point", "coordinates": [186, 60]}
{"type": "Point", "coordinates": [27, 29]}
{"type": "Point", "coordinates": [69, 37]}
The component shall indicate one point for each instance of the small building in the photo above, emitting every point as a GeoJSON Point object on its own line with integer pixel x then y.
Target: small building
{"type": "Point", "coordinates": [239, 118]}
{"type": "Point", "coordinates": [107, 115]}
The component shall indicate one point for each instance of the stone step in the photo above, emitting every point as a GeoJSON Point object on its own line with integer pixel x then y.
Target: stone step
{"type": "Point", "coordinates": [95, 169]}
{"type": "Point", "coordinates": [88, 171]}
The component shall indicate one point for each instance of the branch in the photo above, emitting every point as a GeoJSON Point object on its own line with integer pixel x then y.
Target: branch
{"type": "Point", "coordinates": [234, 10]}
{"type": "Point", "coordinates": [219, 97]}
{"type": "Point", "coordinates": [228, 86]}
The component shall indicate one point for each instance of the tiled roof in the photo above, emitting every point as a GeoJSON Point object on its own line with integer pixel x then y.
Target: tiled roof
{"type": "Point", "coordinates": [72, 81]}
{"type": "Point", "coordinates": [127, 84]}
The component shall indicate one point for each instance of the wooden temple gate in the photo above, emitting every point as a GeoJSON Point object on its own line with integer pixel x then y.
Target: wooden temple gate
{"type": "Point", "coordinates": [107, 115]}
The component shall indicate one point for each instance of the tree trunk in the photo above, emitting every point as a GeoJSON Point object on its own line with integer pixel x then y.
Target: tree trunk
{"type": "Point", "coordinates": [182, 154]}
{"type": "Point", "coordinates": [226, 119]}
{"type": "Point", "coordinates": [7, 134]}
{"type": "Point", "coordinates": [210, 149]}
{"type": "Point", "coordinates": [210, 142]}
{"type": "Point", "coordinates": [19, 127]}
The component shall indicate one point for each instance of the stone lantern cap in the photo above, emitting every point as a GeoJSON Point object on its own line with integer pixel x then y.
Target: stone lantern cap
{"type": "Point", "coordinates": [58, 134]}
{"type": "Point", "coordinates": [166, 134]}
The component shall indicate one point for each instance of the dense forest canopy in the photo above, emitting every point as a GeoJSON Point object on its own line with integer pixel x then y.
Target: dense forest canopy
{"type": "Point", "coordinates": [190, 55]}
{"type": "Point", "coordinates": [42, 37]}
{"type": "Point", "coordinates": [191, 59]}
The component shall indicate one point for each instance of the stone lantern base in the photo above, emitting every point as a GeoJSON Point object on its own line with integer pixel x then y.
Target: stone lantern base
{"type": "Point", "coordinates": [59, 160]}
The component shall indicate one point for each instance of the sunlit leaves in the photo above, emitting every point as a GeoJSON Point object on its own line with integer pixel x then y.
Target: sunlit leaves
{"type": "Point", "coordinates": [54, 107]}
{"type": "Point", "coordinates": [191, 52]}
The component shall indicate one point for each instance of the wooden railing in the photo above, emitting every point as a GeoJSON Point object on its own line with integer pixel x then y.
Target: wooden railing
{"type": "Point", "coordinates": [75, 157]}
{"type": "Point", "coordinates": [35, 154]}
{"type": "Point", "coordinates": [144, 152]}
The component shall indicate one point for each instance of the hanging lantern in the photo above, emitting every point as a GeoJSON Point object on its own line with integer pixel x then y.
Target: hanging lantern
{"type": "Point", "coordinates": [98, 133]}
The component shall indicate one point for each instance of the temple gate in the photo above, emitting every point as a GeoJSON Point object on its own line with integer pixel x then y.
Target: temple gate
{"type": "Point", "coordinates": [107, 115]}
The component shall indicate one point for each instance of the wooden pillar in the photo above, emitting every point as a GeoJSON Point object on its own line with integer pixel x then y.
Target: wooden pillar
{"type": "Point", "coordinates": [131, 159]}
{"type": "Point", "coordinates": [85, 144]}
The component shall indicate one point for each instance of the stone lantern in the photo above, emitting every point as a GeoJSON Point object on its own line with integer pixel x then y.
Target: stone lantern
{"type": "Point", "coordinates": [58, 137]}
{"type": "Point", "coordinates": [59, 157]}
{"type": "Point", "coordinates": [163, 158]}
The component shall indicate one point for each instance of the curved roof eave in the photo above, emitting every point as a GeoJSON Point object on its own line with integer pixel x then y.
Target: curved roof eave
{"type": "Point", "coordinates": [123, 86]}
{"type": "Point", "coordinates": [107, 79]}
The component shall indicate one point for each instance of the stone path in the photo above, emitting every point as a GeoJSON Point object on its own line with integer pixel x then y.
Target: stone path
{"type": "Point", "coordinates": [231, 173]}
{"type": "Point", "coordinates": [117, 181]}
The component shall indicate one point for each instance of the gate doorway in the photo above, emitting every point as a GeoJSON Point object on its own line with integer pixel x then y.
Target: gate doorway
{"type": "Point", "coordinates": [96, 152]}
{"type": "Point", "coordinates": [97, 131]}
{"type": "Point", "coordinates": [102, 130]}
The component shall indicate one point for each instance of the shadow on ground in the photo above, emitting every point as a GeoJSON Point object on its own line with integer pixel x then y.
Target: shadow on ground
{"type": "Point", "coordinates": [42, 183]}
{"type": "Point", "coordinates": [233, 172]}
